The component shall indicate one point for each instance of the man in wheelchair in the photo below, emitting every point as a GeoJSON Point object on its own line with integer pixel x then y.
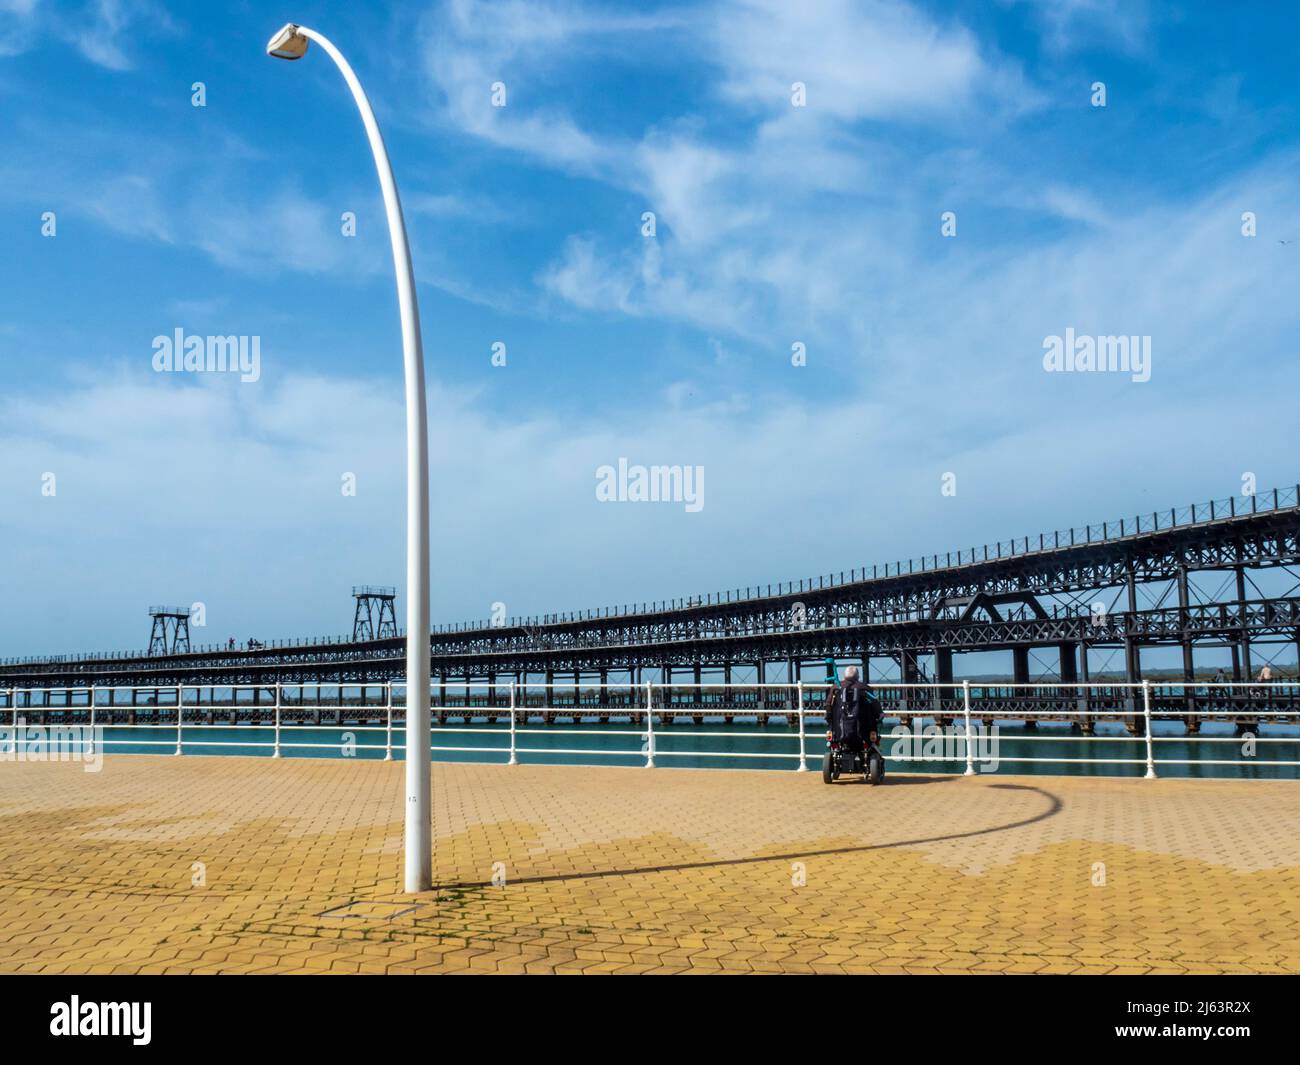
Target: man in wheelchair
{"type": "Point", "coordinates": [852, 737]}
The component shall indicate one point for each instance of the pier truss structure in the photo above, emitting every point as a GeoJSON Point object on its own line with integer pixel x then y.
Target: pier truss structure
{"type": "Point", "coordinates": [1067, 606]}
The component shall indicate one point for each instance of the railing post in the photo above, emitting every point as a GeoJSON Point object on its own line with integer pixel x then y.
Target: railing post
{"type": "Point", "coordinates": [180, 698]}
{"type": "Point", "coordinates": [276, 753]}
{"type": "Point", "coordinates": [650, 724]}
{"type": "Point", "coordinates": [1146, 713]}
{"type": "Point", "coordinates": [965, 706]}
{"type": "Point", "coordinates": [803, 752]}
{"type": "Point", "coordinates": [514, 759]}
{"type": "Point", "coordinates": [388, 727]}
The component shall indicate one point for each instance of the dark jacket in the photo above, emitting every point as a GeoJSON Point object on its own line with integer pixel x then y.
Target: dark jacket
{"type": "Point", "coordinates": [868, 709]}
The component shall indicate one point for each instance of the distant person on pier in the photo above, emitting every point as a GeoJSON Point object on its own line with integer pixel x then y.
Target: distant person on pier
{"type": "Point", "coordinates": [854, 711]}
{"type": "Point", "coordinates": [231, 645]}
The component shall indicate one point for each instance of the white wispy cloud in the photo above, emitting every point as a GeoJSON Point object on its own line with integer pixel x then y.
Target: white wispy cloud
{"type": "Point", "coordinates": [18, 26]}
{"type": "Point", "coordinates": [1071, 25]}
{"type": "Point", "coordinates": [818, 231]}
{"type": "Point", "coordinates": [259, 231]}
{"type": "Point", "coordinates": [877, 59]}
{"type": "Point", "coordinates": [108, 33]}
{"type": "Point", "coordinates": [754, 232]}
{"type": "Point", "coordinates": [474, 44]}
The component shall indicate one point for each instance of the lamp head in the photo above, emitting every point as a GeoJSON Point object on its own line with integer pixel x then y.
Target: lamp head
{"type": "Point", "coordinates": [288, 43]}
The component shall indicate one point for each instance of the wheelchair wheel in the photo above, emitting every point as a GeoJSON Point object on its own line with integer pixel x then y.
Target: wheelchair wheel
{"type": "Point", "coordinates": [875, 768]}
{"type": "Point", "coordinates": [828, 768]}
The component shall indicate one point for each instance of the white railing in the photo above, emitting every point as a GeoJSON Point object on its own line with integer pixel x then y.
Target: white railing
{"type": "Point", "coordinates": [971, 744]}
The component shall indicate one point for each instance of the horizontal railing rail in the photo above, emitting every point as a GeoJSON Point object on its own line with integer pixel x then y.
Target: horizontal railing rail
{"type": "Point", "coordinates": [954, 710]}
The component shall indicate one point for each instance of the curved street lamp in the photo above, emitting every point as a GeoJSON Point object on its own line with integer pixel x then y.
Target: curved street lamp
{"type": "Point", "coordinates": [291, 43]}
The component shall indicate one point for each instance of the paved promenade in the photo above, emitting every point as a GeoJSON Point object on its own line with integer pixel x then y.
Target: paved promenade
{"type": "Point", "coordinates": [226, 864]}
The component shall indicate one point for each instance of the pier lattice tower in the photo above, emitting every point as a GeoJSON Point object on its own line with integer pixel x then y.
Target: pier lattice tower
{"type": "Point", "coordinates": [375, 617]}
{"type": "Point", "coordinates": [171, 630]}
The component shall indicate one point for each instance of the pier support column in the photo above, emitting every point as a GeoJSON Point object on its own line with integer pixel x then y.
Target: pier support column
{"type": "Point", "coordinates": [910, 675]}
{"type": "Point", "coordinates": [1189, 666]}
{"type": "Point", "coordinates": [942, 675]}
{"type": "Point", "coordinates": [1246, 664]}
{"type": "Point", "coordinates": [1020, 674]}
{"type": "Point", "coordinates": [1085, 695]}
{"type": "Point", "coordinates": [1135, 723]}
{"type": "Point", "coordinates": [1020, 665]}
{"type": "Point", "coordinates": [1132, 655]}
{"type": "Point", "coordinates": [1069, 673]}
{"type": "Point", "coordinates": [1069, 666]}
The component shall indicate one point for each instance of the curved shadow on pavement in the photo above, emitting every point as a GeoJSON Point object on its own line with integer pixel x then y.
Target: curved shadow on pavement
{"type": "Point", "coordinates": [1054, 807]}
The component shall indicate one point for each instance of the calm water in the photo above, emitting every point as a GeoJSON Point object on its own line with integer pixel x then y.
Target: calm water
{"type": "Point", "coordinates": [708, 746]}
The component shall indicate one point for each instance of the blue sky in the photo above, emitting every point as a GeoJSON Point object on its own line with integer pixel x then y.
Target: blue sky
{"type": "Point", "coordinates": [775, 225]}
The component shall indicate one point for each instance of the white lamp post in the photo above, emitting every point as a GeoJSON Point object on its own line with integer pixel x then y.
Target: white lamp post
{"type": "Point", "coordinates": [291, 43]}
